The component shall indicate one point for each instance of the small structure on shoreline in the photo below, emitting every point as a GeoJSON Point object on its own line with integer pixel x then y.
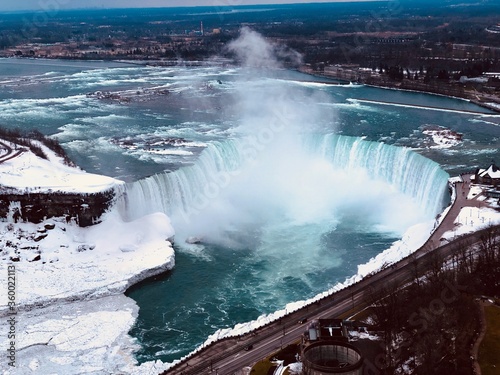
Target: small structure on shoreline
{"type": "Point", "coordinates": [326, 330]}
{"type": "Point", "coordinates": [488, 176]}
{"type": "Point", "coordinates": [327, 357]}
{"type": "Point", "coordinates": [325, 349]}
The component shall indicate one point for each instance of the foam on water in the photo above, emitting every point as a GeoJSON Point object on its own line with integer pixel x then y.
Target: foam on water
{"type": "Point", "coordinates": [353, 105]}
{"type": "Point", "coordinates": [482, 120]}
{"type": "Point", "coordinates": [427, 108]}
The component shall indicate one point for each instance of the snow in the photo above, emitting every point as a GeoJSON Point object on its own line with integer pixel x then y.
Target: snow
{"type": "Point", "coordinates": [471, 219]}
{"type": "Point", "coordinates": [465, 79]}
{"type": "Point", "coordinates": [443, 137]}
{"type": "Point", "coordinates": [81, 337]}
{"type": "Point", "coordinates": [170, 152]}
{"type": "Point", "coordinates": [280, 369]}
{"type": "Point", "coordinates": [474, 191]}
{"type": "Point", "coordinates": [413, 239]}
{"type": "Point", "coordinates": [87, 262]}
{"type": "Point", "coordinates": [71, 314]}
{"type": "Point", "coordinates": [295, 368]}
{"type": "Point", "coordinates": [493, 104]}
{"type": "Point", "coordinates": [491, 171]}
{"type": "Point", "coordinates": [363, 336]}
{"type": "Point", "coordinates": [28, 172]}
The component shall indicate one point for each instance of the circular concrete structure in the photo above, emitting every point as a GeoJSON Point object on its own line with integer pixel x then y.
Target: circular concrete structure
{"type": "Point", "coordinates": [331, 358]}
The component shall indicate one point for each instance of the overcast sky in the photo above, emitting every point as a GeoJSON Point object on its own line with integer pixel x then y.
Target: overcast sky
{"type": "Point", "coordinates": [8, 5]}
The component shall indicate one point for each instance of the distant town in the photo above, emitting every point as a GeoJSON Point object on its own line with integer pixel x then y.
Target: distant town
{"type": "Point", "coordinates": [448, 50]}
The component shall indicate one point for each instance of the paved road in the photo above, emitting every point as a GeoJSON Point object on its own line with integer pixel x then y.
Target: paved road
{"type": "Point", "coordinates": [9, 155]}
{"type": "Point", "coordinates": [229, 355]}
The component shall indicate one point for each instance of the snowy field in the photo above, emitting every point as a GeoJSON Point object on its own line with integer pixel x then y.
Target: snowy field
{"type": "Point", "coordinates": [27, 172]}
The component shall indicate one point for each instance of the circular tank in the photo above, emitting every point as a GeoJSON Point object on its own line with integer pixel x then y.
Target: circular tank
{"type": "Point", "coordinates": [331, 358]}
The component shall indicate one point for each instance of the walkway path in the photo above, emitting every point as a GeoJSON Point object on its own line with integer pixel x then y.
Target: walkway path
{"type": "Point", "coordinates": [479, 339]}
{"type": "Point", "coordinates": [462, 190]}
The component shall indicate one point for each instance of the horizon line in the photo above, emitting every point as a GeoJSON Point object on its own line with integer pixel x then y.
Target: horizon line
{"type": "Point", "coordinates": [162, 6]}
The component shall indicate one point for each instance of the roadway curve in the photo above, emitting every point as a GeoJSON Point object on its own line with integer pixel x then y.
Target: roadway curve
{"type": "Point", "coordinates": [9, 155]}
{"type": "Point", "coordinates": [228, 355]}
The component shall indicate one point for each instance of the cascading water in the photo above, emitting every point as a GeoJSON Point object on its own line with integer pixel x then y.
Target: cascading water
{"type": "Point", "coordinates": [189, 190]}
{"type": "Point", "coordinates": [412, 174]}
{"type": "Point", "coordinates": [297, 219]}
{"type": "Point", "coordinates": [184, 190]}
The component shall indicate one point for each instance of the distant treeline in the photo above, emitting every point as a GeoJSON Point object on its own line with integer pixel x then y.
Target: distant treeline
{"type": "Point", "coordinates": [26, 138]}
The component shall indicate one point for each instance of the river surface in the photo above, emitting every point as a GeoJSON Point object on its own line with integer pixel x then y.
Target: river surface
{"type": "Point", "coordinates": [286, 184]}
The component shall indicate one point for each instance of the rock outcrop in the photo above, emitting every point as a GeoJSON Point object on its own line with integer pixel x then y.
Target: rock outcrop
{"type": "Point", "coordinates": [84, 209]}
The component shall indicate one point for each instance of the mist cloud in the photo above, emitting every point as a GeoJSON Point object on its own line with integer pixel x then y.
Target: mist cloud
{"type": "Point", "coordinates": [252, 50]}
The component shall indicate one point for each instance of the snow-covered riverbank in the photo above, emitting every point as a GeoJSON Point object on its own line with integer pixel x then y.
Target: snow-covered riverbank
{"type": "Point", "coordinates": [72, 316]}
{"type": "Point", "coordinates": [68, 282]}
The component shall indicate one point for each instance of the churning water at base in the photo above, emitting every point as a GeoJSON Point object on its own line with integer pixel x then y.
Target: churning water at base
{"type": "Point", "coordinates": [273, 227]}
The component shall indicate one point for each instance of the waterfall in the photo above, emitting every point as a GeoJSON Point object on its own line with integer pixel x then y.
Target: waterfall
{"type": "Point", "coordinates": [184, 189]}
{"type": "Point", "coordinates": [411, 173]}
{"type": "Point", "coordinates": [190, 188]}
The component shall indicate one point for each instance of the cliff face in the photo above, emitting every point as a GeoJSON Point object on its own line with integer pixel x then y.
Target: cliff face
{"type": "Point", "coordinates": [85, 209]}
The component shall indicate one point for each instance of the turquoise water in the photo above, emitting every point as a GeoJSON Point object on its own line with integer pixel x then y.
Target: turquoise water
{"type": "Point", "coordinates": [296, 238]}
{"type": "Point", "coordinates": [286, 228]}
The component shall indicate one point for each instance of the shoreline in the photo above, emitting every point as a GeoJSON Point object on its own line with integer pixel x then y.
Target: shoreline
{"type": "Point", "coordinates": [416, 239]}
{"type": "Point", "coordinates": [396, 88]}
{"type": "Point", "coordinates": [67, 311]}
{"type": "Point", "coordinates": [302, 69]}
{"type": "Point", "coordinates": [413, 239]}
{"type": "Point", "coordinates": [75, 311]}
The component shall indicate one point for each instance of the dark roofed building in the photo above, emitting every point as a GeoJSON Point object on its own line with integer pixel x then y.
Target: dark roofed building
{"type": "Point", "coordinates": [489, 176]}
{"type": "Point", "coordinates": [327, 330]}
